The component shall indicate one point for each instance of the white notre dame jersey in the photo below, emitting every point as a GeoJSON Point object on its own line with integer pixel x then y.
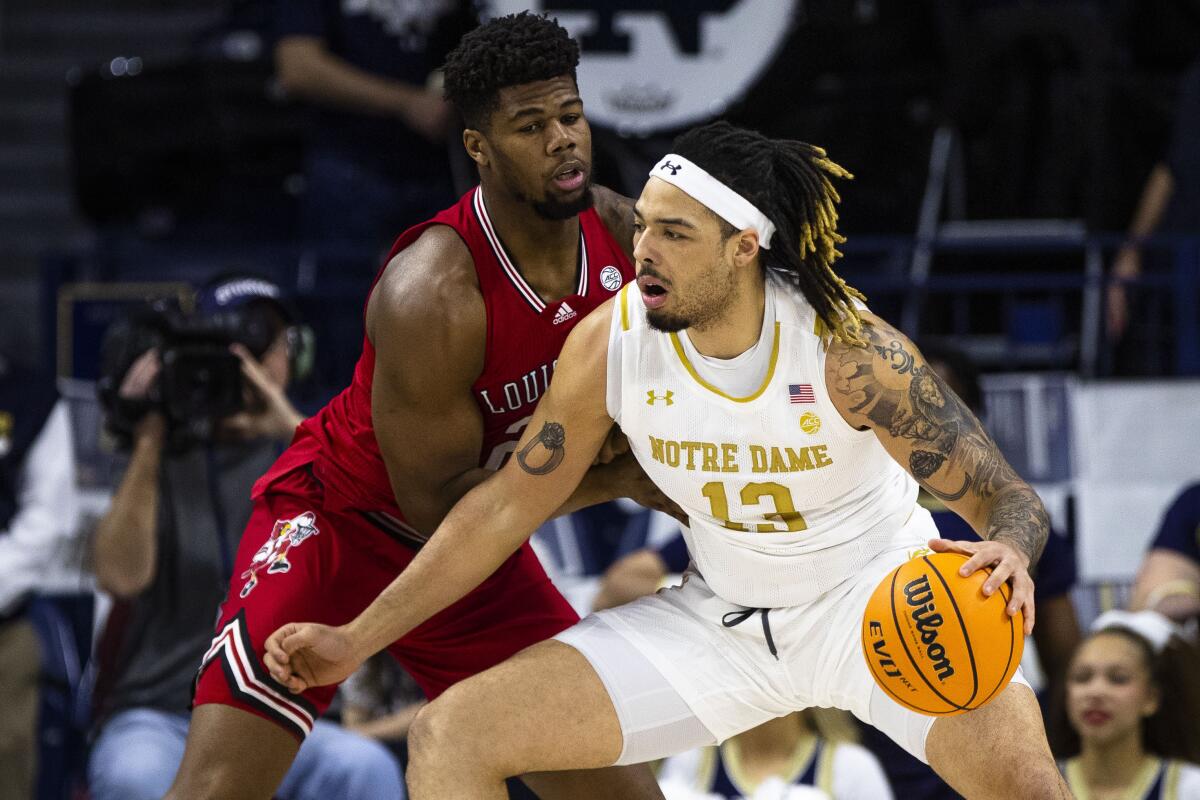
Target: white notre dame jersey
{"type": "Point", "coordinates": [785, 499]}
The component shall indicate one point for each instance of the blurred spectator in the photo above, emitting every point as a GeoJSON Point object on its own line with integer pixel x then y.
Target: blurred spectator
{"type": "Point", "coordinates": [165, 547]}
{"type": "Point", "coordinates": [1169, 579]}
{"type": "Point", "coordinates": [805, 749]}
{"type": "Point", "coordinates": [1170, 204]}
{"type": "Point", "coordinates": [378, 161]}
{"type": "Point", "coordinates": [577, 549]}
{"type": "Point", "coordinates": [381, 700]}
{"type": "Point", "coordinates": [38, 512]}
{"type": "Point", "coordinates": [1127, 725]}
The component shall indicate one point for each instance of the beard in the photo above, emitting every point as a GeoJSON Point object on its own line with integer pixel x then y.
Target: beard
{"type": "Point", "coordinates": [559, 210]}
{"type": "Point", "coordinates": [705, 307]}
{"type": "Point", "coordinates": [663, 322]}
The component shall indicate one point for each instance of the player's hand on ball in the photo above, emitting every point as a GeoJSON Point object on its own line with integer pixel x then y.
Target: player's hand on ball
{"type": "Point", "coordinates": [1008, 563]}
{"type": "Point", "coordinates": [301, 655]}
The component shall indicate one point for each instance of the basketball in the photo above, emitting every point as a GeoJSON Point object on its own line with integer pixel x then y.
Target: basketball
{"type": "Point", "coordinates": [934, 642]}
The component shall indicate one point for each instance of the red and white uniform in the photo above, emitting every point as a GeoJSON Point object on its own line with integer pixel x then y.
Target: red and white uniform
{"type": "Point", "coordinates": [359, 539]}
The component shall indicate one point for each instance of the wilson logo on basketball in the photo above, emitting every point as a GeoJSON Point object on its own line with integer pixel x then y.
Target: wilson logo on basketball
{"type": "Point", "coordinates": [920, 599]}
{"type": "Point", "coordinates": [934, 641]}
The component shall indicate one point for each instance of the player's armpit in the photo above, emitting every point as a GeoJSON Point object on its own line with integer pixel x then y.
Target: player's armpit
{"type": "Point", "coordinates": [889, 388]}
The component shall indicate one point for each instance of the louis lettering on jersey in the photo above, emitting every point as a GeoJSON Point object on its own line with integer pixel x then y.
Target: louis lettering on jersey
{"type": "Point", "coordinates": [517, 394]}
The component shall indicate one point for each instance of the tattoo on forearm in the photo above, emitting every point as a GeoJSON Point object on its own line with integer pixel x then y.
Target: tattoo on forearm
{"type": "Point", "coordinates": [552, 439]}
{"type": "Point", "coordinates": [951, 453]}
{"type": "Point", "coordinates": [1019, 517]}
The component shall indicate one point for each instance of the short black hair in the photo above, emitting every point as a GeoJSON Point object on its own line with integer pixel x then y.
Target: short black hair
{"type": "Point", "coordinates": [506, 51]}
{"type": "Point", "coordinates": [789, 182]}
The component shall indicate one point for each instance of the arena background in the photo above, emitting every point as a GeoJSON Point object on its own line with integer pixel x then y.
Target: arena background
{"type": "Point", "coordinates": [999, 148]}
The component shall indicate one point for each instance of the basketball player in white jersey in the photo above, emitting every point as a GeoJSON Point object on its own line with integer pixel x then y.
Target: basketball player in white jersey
{"type": "Point", "coordinates": [793, 428]}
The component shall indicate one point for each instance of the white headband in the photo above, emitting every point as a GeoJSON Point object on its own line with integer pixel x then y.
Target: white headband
{"type": "Point", "coordinates": [716, 196]}
{"type": "Point", "coordinates": [1150, 625]}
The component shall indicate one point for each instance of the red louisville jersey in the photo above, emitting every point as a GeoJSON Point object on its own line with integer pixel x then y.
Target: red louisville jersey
{"type": "Point", "coordinates": [524, 337]}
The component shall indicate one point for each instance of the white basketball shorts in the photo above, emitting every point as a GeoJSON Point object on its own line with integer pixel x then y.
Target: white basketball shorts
{"type": "Point", "coordinates": [683, 671]}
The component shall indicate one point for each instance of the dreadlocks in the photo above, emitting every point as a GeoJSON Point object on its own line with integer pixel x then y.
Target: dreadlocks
{"type": "Point", "coordinates": [507, 51]}
{"type": "Point", "coordinates": [789, 181]}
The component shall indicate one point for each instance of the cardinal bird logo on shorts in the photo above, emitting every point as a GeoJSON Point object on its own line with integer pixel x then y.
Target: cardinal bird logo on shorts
{"type": "Point", "coordinates": [273, 555]}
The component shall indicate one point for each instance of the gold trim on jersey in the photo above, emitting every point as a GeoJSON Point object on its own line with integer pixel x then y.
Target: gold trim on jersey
{"type": "Point", "coordinates": [625, 306]}
{"type": "Point", "coordinates": [678, 345]}
{"type": "Point", "coordinates": [731, 755]}
{"type": "Point", "coordinates": [1136, 790]}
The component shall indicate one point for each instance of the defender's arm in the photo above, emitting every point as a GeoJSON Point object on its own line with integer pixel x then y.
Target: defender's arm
{"type": "Point", "coordinates": [426, 320]}
{"type": "Point", "coordinates": [483, 529]}
{"type": "Point", "coordinates": [888, 387]}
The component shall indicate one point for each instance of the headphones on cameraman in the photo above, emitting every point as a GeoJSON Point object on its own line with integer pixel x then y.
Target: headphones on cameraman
{"type": "Point", "coordinates": [238, 301]}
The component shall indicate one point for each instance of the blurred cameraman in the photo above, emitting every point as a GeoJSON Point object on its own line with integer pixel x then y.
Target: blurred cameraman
{"type": "Point", "coordinates": [200, 402]}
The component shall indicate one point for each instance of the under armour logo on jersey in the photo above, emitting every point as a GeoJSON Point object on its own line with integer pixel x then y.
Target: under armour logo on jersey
{"type": "Point", "coordinates": [673, 167]}
{"type": "Point", "coordinates": [652, 398]}
{"type": "Point", "coordinates": [564, 313]}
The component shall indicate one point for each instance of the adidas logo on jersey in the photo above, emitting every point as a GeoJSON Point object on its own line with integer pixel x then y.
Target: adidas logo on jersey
{"type": "Point", "coordinates": [564, 313]}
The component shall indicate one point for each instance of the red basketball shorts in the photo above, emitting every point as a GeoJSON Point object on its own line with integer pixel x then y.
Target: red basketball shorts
{"type": "Point", "coordinates": [301, 562]}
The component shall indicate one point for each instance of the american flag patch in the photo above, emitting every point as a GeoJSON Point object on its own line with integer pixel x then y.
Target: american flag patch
{"type": "Point", "coordinates": [801, 393]}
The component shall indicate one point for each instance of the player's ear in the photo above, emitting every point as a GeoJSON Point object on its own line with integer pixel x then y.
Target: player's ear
{"type": "Point", "coordinates": [745, 246]}
{"type": "Point", "coordinates": [476, 147]}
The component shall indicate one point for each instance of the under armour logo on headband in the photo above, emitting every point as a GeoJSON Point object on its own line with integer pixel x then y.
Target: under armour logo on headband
{"type": "Point", "coordinates": [710, 192]}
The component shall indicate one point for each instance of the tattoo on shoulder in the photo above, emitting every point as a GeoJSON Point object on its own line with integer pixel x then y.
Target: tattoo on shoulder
{"type": "Point", "coordinates": [552, 439]}
{"type": "Point", "coordinates": [941, 430]}
{"type": "Point", "coordinates": [926, 412]}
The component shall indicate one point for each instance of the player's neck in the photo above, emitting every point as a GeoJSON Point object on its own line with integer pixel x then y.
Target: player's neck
{"type": "Point", "coordinates": [1115, 763]}
{"type": "Point", "coordinates": [738, 327]}
{"type": "Point", "coordinates": [545, 250]}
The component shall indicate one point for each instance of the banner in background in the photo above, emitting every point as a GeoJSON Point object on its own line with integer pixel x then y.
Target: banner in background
{"type": "Point", "coordinates": [654, 65]}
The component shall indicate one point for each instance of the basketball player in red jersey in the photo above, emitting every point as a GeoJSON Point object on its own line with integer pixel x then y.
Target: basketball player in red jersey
{"type": "Point", "coordinates": [463, 327]}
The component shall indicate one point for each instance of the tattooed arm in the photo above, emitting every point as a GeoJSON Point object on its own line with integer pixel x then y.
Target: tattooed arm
{"type": "Point", "coordinates": [888, 387]}
{"type": "Point", "coordinates": [483, 529]}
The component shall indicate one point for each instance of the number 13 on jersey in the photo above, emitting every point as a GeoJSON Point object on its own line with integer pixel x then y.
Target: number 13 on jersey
{"type": "Point", "coordinates": [753, 494]}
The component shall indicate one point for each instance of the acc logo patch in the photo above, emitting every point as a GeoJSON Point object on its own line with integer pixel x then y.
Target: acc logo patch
{"type": "Point", "coordinates": [286, 534]}
{"type": "Point", "coordinates": [810, 422]}
{"type": "Point", "coordinates": [610, 278]}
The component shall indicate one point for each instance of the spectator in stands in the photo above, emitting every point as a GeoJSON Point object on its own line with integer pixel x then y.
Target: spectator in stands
{"type": "Point", "coordinates": [38, 514]}
{"type": "Point", "coordinates": [378, 161]}
{"type": "Point", "coordinates": [811, 748]}
{"type": "Point", "coordinates": [165, 548]}
{"type": "Point", "coordinates": [381, 701]}
{"type": "Point", "coordinates": [1169, 579]}
{"type": "Point", "coordinates": [1170, 204]}
{"type": "Point", "coordinates": [1127, 726]}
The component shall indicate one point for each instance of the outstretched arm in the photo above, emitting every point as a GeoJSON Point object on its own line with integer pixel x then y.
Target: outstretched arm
{"type": "Point", "coordinates": [483, 529]}
{"type": "Point", "coordinates": [888, 387]}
